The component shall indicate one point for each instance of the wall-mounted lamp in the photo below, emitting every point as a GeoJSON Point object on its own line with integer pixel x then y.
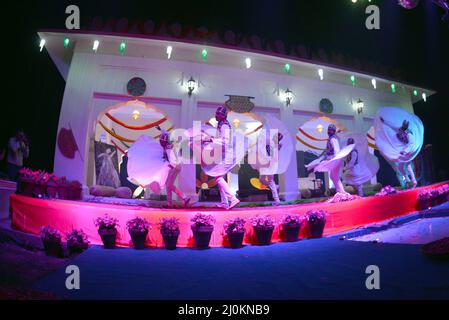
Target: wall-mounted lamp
{"type": "Point", "coordinates": [288, 96]}
{"type": "Point", "coordinates": [191, 84]}
{"type": "Point", "coordinates": [359, 106]}
{"type": "Point", "coordinates": [135, 114]}
{"type": "Point", "coordinates": [320, 128]}
{"type": "Point", "coordinates": [236, 123]}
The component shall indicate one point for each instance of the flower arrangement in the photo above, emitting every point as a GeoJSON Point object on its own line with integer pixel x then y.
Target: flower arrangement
{"type": "Point", "coordinates": [316, 217]}
{"type": "Point", "coordinates": [263, 222]}
{"type": "Point", "coordinates": [49, 234]}
{"type": "Point", "coordinates": [203, 220]}
{"type": "Point", "coordinates": [77, 240]}
{"type": "Point", "coordinates": [138, 225]}
{"type": "Point", "coordinates": [169, 226]}
{"type": "Point", "coordinates": [386, 191]}
{"type": "Point", "coordinates": [234, 225]}
{"type": "Point", "coordinates": [106, 222]}
{"type": "Point", "coordinates": [291, 220]}
{"type": "Point", "coordinates": [342, 197]}
{"type": "Point", "coordinates": [26, 173]}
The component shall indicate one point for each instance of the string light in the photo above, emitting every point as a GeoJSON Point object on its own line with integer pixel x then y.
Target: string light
{"type": "Point", "coordinates": [96, 45]}
{"type": "Point", "coordinates": [415, 93]}
{"type": "Point", "coordinates": [66, 42]}
{"type": "Point", "coordinates": [204, 54]}
{"type": "Point", "coordinates": [374, 83]}
{"type": "Point", "coordinates": [353, 80]}
{"type": "Point", "coordinates": [169, 51]}
{"type": "Point", "coordinates": [393, 88]}
{"type": "Point", "coordinates": [248, 63]}
{"type": "Point", "coordinates": [122, 48]}
{"type": "Point", "coordinates": [287, 68]}
{"type": "Point", "coordinates": [41, 45]}
{"type": "Point", "coordinates": [424, 96]}
{"type": "Point", "coordinates": [321, 74]}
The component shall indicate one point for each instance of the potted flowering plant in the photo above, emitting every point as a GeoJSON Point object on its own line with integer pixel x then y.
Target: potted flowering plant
{"type": "Point", "coordinates": [424, 199]}
{"type": "Point", "coordinates": [52, 186]}
{"type": "Point", "coordinates": [202, 227]}
{"type": "Point", "coordinates": [434, 197]}
{"type": "Point", "coordinates": [235, 230]}
{"type": "Point", "coordinates": [316, 220]}
{"type": "Point", "coordinates": [169, 231]}
{"type": "Point", "coordinates": [76, 241]}
{"type": "Point", "coordinates": [74, 190]}
{"type": "Point", "coordinates": [138, 230]}
{"type": "Point", "coordinates": [25, 183]}
{"type": "Point", "coordinates": [291, 224]}
{"type": "Point", "coordinates": [51, 238]}
{"type": "Point", "coordinates": [107, 229]}
{"type": "Point", "coordinates": [263, 228]}
{"type": "Point", "coordinates": [386, 191]}
{"type": "Point", "coordinates": [63, 188]}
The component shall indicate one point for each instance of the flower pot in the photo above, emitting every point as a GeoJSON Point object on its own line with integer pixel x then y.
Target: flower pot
{"type": "Point", "coordinates": [263, 236]}
{"type": "Point", "coordinates": [52, 191]}
{"type": "Point", "coordinates": [316, 229]}
{"type": "Point", "coordinates": [76, 247]}
{"type": "Point", "coordinates": [53, 248]}
{"type": "Point", "coordinates": [202, 236]}
{"type": "Point", "coordinates": [291, 232]}
{"type": "Point", "coordinates": [108, 236]}
{"type": "Point", "coordinates": [25, 187]}
{"type": "Point", "coordinates": [170, 240]}
{"type": "Point", "coordinates": [236, 239]}
{"type": "Point", "coordinates": [138, 238]}
{"type": "Point", "coordinates": [63, 192]}
{"type": "Point", "coordinates": [74, 193]}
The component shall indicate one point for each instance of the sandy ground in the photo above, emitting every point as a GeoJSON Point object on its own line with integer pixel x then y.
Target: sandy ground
{"type": "Point", "coordinates": [20, 269]}
{"type": "Point", "coordinates": [416, 232]}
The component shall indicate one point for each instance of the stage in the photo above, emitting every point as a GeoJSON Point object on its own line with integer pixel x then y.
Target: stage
{"type": "Point", "coordinates": [30, 214]}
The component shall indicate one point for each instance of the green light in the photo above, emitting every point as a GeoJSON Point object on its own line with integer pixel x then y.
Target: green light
{"type": "Point", "coordinates": [122, 48]}
{"type": "Point", "coordinates": [415, 93]}
{"type": "Point", "coordinates": [287, 68]}
{"type": "Point", "coordinates": [353, 80]}
{"type": "Point", "coordinates": [66, 42]}
{"type": "Point", "coordinates": [393, 88]}
{"type": "Point", "coordinates": [204, 54]}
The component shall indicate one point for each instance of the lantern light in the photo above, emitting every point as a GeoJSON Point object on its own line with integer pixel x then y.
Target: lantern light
{"type": "Point", "coordinates": [136, 114]}
{"type": "Point", "coordinates": [320, 128]}
{"type": "Point", "coordinates": [41, 45]}
{"type": "Point", "coordinates": [248, 63]}
{"type": "Point", "coordinates": [204, 54]}
{"type": "Point", "coordinates": [96, 45]}
{"type": "Point", "coordinates": [374, 83]}
{"type": "Point", "coordinates": [359, 106]}
{"type": "Point", "coordinates": [66, 42]}
{"type": "Point", "coordinates": [122, 48]}
{"type": "Point", "coordinates": [169, 51]}
{"type": "Point", "coordinates": [288, 96]}
{"type": "Point", "coordinates": [191, 84]}
{"type": "Point", "coordinates": [321, 74]}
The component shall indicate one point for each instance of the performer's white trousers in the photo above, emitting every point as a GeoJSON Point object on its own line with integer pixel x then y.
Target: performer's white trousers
{"type": "Point", "coordinates": [170, 185]}
{"type": "Point", "coordinates": [335, 177]}
{"type": "Point", "coordinates": [225, 192]}
{"type": "Point", "coordinates": [268, 180]}
{"type": "Point", "coordinates": [405, 173]}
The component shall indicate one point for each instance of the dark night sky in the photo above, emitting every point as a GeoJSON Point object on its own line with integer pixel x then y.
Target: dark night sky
{"type": "Point", "coordinates": [415, 41]}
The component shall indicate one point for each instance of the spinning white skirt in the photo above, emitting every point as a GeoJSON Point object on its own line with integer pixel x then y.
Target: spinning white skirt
{"type": "Point", "coordinates": [334, 163]}
{"type": "Point", "coordinates": [215, 159]}
{"type": "Point", "coordinates": [146, 165]}
{"type": "Point", "coordinates": [386, 139]}
{"type": "Point", "coordinates": [277, 162]}
{"type": "Point", "coordinates": [367, 163]}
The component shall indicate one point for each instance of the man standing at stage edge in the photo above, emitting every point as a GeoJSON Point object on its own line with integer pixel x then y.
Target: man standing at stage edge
{"type": "Point", "coordinates": [18, 149]}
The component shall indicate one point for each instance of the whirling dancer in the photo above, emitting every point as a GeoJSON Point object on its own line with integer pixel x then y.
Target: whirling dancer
{"type": "Point", "coordinates": [399, 137]}
{"type": "Point", "coordinates": [223, 143]}
{"type": "Point", "coordinates": [332, 158]}
{"type": "Point", "coordinates": [149, 165]}
{"type": "Point", "coordinates": [108, 175]}
{"type": "Point", "coordinates": [271, 158]}
{"type": "Point", "coordinates": [359, 166]}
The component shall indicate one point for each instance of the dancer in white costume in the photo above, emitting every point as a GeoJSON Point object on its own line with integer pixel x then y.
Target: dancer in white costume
{"type": "Point", "coordinates": [332, 158]}
{"type": "Point", "coordinates": [271, 158]}
{"type": "Point", "coordinates": [156, 167]}
{"type": "Point", "coordinates": [223, 143]}
{"type": "Point", "coordinates": [399, 137]}
{"type": "Point", "coordinates": [359, 166]}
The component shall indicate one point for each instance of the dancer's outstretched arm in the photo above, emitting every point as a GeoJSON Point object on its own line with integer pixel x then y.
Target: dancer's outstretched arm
{"type": "Point", "coordinates": [389, 124]}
